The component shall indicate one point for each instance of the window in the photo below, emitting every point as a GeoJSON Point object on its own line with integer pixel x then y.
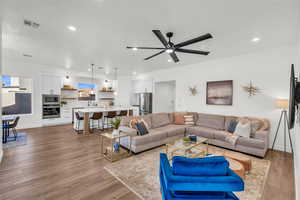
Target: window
{"type": "Point", "coordinates": [86, 92]}
{"type": "Point", "coordinates": [16, 95]}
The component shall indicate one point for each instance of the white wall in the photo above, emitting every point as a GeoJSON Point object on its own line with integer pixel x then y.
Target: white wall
{"type": "Point", "coordinates": [1, 150]}
{"type": "Point", "coordinates": [269, 70]}
{"type": "Point", "coordinates": [124, 91]}
{"type": "Point", "coordinates": [296, 132]}
{"type": "Point", "coordinates": [164, 97]}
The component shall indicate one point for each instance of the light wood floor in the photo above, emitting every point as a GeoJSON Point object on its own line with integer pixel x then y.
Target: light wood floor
{"type": "Point", "coordinates": [58, 164]}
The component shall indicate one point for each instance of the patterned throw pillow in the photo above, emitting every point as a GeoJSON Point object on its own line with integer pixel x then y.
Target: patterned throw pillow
{"type": "Point", "coordinates": [189, 120]}
{"type": "Point", "coordinates": [141, 128]}
{"type": "Point", "coordinates": [232, 125]}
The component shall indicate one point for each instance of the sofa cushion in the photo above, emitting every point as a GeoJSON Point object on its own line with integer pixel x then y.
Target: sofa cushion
{"type": "Point", "coordinates": [250, 142]}
{"type": "Point", "coordinates": [160, 119]}
{"type": "Point", "coordinates": [211, 121]}
{"type": "Point", "coordinates": [152, 136]}
{"type": "Point", "coordinates": [173, 130]}
{"type": "Point", "coordinates": [209, 166]}
{"type": "Point", "coordinates": [220, 135]}
{"type": "Point", "coordinates": [201, 131]}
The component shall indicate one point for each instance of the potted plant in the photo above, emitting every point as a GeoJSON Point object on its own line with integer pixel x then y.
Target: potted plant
{"type": "Point", "coordinates": [115, 124]}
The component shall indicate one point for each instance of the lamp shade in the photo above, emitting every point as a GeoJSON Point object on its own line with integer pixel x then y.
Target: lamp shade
{"type": "Point", "coordinates": [282, 103]}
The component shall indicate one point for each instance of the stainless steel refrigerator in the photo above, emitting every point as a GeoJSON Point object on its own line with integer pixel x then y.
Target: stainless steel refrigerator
{"type": "Point", "coordinates": [145, 103]}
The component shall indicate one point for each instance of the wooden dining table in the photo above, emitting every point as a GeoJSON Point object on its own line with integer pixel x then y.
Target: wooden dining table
{"type": "Point", "coordinates": [6, 120]}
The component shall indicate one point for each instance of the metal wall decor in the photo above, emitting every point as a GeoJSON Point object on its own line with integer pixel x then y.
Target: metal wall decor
{"type": "Point", "coordinates": [251, 89]}
{"type": "Point", "coordinates": [193, 90]}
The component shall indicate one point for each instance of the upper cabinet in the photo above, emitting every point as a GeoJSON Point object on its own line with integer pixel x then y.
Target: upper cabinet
{"type": "Point", "coordinates": [140, 86]}
{"type": "Point", "coordinates": [51, 84]}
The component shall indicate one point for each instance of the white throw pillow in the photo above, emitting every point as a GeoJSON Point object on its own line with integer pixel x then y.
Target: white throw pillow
{"type": "Point", "coordinates": [243, 129]}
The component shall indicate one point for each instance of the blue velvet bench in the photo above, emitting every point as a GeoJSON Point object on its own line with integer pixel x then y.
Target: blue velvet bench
{"type": "Point", "coordinates": [199, 178]}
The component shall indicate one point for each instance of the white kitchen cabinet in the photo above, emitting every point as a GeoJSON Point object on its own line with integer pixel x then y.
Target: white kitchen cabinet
{"type": "Point", "coordinates": [140, 86]}
{"type": "Point", "coordinates": [51, 84]}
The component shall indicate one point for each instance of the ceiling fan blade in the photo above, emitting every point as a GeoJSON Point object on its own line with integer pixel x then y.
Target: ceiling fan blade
{"type": "Point", "coordinates": [157, 48]}
{"type": "Point", "coordinates": [155, 55]}
{"type": "Point", "coordinates": [161, 37]}
{"type": "Point", "coordinates": [192, 51]}
{"type": "Point", "coordinates": [192, 41]}
{"type": "Point", "coordinates": [174, 57]}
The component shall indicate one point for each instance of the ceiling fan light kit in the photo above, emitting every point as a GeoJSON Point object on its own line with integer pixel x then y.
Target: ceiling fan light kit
{"type": "Point", "coordinates": [172, 48]}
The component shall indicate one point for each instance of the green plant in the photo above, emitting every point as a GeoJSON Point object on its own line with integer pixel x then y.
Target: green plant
{"type": "Point", "coordinates": [116, 123]}
{"type": "Point", "coordinates": [186, 139]}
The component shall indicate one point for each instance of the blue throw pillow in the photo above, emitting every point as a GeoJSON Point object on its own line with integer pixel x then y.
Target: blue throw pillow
{"type": "Point", "coordinates": [232, 126]}
{"type": "Point", "coordinates": [209, 166]}
{"type": "Point", "coordinates": [141, 128]}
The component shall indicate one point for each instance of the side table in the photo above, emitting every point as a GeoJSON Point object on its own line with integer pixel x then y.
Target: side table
{"type": "Point", "coordinates": [107, 141]}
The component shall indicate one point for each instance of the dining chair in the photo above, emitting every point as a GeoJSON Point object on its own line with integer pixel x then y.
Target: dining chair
{"type": "Point", "coordinates": [13, 127]}
{"type": "Point", "coordinates": [110, 116]}
{"type": "Point", "coordinates": [97, 116]}
{"type": "Point", "coordinates": [123, 113]}
{"type": "Point", "coordinates": [78, 119]}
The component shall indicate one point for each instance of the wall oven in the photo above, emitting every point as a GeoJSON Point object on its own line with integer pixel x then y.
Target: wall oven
{"type": "Point", "coordinates": [51, 106]}
{"type": "Point", "coordinates": [51, 99]}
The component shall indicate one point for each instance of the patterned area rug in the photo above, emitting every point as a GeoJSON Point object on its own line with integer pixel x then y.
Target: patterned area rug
{"type": "Point", "coordinates": [140, 174]}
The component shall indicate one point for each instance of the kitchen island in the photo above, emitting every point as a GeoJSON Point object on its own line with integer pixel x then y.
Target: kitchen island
{"type": "Point", "coordinates": [87, 112]}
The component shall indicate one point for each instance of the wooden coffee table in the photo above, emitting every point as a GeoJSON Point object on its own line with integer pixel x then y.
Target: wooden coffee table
{"type": "Point", "coordinates": [237, 167]}
{"type": "Point", "coordinates": [244, 160]}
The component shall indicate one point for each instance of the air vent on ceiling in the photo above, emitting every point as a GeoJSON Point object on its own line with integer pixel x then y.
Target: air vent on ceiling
{"type": "Point", "coordinates": [31, 24]}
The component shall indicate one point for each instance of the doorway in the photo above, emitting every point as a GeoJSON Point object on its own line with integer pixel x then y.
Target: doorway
{"type": "Point", "coordinates": [164, 96]}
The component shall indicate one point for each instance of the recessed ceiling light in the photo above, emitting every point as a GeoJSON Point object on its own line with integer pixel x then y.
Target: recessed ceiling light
{"type": "Point", "coordinates": [134, 49]}
{"type": "Point", "coordinates": [72, 28]}
{"type": "Point", "coordinates": [255, 39]}
{"type": "Point", "coordinates": [169, 50]}
{"type": "Point", "coordinates": [89, 69]}
{"type": "Point", "coordinates": [169, 60]}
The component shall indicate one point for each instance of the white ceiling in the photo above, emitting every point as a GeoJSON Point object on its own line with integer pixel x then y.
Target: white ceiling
{"type": "Point", "coordinates": [106, 27]}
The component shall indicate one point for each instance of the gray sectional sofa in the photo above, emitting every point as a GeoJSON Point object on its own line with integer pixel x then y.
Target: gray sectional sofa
{"type": "Point", "coordinates": [162, 130]}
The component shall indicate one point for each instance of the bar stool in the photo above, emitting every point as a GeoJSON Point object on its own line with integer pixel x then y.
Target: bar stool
{"type": "Point", "coordinates": [123, 113]}
{"type": "Point", "coordinates": [110, 115]}
{"type": "Point", "coordinates": [78, 119]}
{"type": "Point", "coordinates": [97, 116]}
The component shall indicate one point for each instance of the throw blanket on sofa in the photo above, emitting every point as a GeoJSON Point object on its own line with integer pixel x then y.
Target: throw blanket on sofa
{"type": "Point", "coordinates": [231, 138]}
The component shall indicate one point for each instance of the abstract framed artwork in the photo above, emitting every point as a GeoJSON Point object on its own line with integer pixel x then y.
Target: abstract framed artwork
{"type": "Point", "coordinates": [219, 92]}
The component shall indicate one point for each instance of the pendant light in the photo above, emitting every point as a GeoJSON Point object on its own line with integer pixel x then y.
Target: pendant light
{"type": "Point", "coordinates": [115, 81]}
{"type": "Point", "coordinates": [92, 92]}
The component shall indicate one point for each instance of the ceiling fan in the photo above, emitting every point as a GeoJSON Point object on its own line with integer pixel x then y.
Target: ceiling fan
{"type": "Point", "coordinates": [172, 48]}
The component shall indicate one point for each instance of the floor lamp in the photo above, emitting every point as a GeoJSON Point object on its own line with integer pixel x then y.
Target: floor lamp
{"type": "Point", "coordinates": [283, 105]}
